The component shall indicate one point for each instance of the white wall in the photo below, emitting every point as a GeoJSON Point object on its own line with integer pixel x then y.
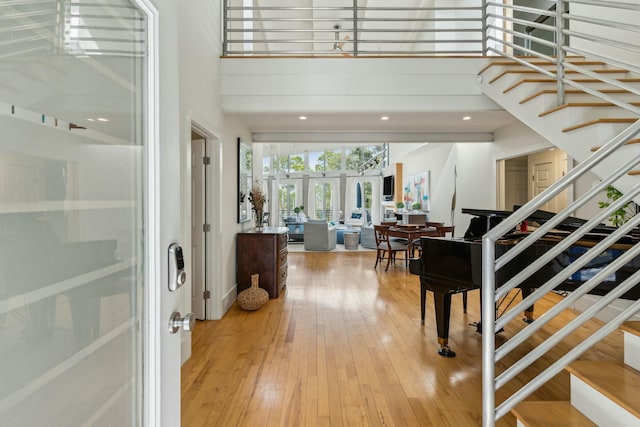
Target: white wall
{"type": "Point", "coordinates": [475, 165]}
{"type": "Point", "coordinates": [199, 48]}
{"type": "Point", "coordinates": [352, 84]}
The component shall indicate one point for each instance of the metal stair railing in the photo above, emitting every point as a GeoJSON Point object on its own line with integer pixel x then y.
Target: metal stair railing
{"type": "Point", "coordinates": [352, 28]}
{"type": "Point", "coordinates": [506, 41]}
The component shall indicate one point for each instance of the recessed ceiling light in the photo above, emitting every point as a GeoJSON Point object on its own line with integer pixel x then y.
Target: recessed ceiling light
{"type": "Point", "coordinates": [303, 117]}
{"type": "Point", "coordinates": [384, 118]}
{"type": "Point", "coordinates": [90, 119]}
{"type": "Point", "coordinates": [102, 119]}
{"type": "Point", "coordinates": [466, 118]}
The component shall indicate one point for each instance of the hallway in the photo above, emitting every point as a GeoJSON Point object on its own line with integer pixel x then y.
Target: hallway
{"type": "Point", "coordinates": [343, 346]}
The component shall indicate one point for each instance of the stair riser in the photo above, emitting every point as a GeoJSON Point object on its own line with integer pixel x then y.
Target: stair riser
{"type": "Point", "coordinates": [527, 89]}
{"type": "Point", "coordinates": [576, 115]}
{"type": "Point", "coordinates": [599, 408]}
{"type": "Point", "coordinates": [632, 350]}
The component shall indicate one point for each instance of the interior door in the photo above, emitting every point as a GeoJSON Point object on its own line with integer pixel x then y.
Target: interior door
{"type": "Point", "coordinates": [198, 220]}
{"type": "Point", "coordinates": [76, 191]}
{"type": "Point", "coordinates": [545, 168]}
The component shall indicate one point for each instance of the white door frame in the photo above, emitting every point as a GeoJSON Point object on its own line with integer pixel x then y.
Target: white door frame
{"type": "Point", "coordinates": [213, 265]}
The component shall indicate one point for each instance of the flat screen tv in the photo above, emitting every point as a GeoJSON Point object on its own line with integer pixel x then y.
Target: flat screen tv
{"type": "Point", "coordinates": [387, 187]}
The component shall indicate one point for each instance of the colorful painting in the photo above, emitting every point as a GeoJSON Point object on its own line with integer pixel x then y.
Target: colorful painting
{"type": "Point", "coordinates": [416, 192]}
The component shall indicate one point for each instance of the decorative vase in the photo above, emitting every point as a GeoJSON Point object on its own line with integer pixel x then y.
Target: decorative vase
{"type": "Point", "coordinates": [254, 297]}
{"type": "Point", "coordinates": [259, 226]}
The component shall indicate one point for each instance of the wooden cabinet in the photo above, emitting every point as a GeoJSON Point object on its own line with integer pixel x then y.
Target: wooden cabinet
{"type": "Point", "coordinates": [265, 254]}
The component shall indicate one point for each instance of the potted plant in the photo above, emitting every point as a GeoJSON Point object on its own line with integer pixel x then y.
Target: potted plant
{"type": "Point", "coordinates": [620, 216]}
{"type": "Point", "coordinates": [299, 211]}
{"type": "Point", "coordinates": [399, 206]}
{"type": "Point", "coordinates": [416, 206]}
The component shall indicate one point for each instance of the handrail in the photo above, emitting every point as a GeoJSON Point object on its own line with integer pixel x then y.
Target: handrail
{"type": "Point", "coordinates": [360, 30]}
{"type": "Point", "coordinates": [572, 35]}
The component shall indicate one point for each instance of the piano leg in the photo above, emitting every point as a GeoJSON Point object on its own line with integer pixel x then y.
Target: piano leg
{"type": "Point", "coordinates": [423, 300]}
{"type": "Point", "coordinates": [442, 303]}
{"type": "Point", "coordinates": [528, 313]}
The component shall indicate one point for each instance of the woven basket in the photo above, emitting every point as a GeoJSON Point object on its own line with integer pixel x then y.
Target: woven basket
{"type": "Point", "coordinates": [254, 297]}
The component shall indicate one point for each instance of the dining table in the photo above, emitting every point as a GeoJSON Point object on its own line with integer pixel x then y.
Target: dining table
{"type": "Point", "coordinates": [412, 232]}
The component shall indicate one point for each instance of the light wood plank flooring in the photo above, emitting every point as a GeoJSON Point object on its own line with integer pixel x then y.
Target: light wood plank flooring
{"type": "Point", "coordinates": [343, 346]}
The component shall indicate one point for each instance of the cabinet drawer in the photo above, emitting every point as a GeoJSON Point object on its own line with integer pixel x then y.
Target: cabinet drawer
{"type": "Point", "coordinates": [282, 240]}
{"type": "Point", "coordinates": [282, 258]}
{"type": "Point", "coordinates": [282, 276]}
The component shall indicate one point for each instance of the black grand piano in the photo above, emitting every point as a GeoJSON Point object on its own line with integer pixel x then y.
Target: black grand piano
{"type": "Point", "coordinates": [449, 266]}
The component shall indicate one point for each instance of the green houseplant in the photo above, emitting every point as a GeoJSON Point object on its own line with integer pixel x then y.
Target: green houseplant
{"type": "Point", "coordinates": [416, 206]}
{"type": "Point", "coordinates": [399, 205]}
{"type": "Point", "coordinates": [619, 216]}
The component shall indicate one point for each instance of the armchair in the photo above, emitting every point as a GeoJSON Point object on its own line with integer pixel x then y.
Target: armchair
{"type": "Point", "coordinates": [320, 236]}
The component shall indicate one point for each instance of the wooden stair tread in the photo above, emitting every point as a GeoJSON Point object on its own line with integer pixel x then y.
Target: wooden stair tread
{"type": "Point", "coordinates": [632, 327]}
{"type": "Point", "coordinates": [583, 104]}
{"type": "Point", "coordinates": [568, 92]}
{"type": "Point", "coordinates": [509, 63]}
{"type": "Point", "coordinates": [603, 120]}
{"type": "Point", "coordinates": [550, 414]}
{"type": "Point", "coordinates": [629, 142]}
{"type": "Point", "coordinates": [548, 80]}
{"type": "Point", "coordinates": [527, 71]}
{"type": "Point", "coordinates": [617, 381]}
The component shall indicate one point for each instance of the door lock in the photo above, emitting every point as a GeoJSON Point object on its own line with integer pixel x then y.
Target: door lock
{"type": "Point", "coordinates": [177, 275]}
{"type": "Point", "coordinates": [187, 323]}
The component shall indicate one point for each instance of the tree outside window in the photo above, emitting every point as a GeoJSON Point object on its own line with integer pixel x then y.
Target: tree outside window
{"type": "Point", "coordinates": [359, 156]}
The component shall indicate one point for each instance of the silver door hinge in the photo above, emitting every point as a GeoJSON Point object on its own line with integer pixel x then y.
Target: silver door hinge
{"type": "Point", "coordinates": [206, 160]}
{"type": "Point", "coordinates": [206, 295]}
{"type": "Point", "coordinates": [206, 227]}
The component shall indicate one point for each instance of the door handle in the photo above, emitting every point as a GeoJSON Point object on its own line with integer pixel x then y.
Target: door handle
{"type": "Point", "coordinates": [187, 323]}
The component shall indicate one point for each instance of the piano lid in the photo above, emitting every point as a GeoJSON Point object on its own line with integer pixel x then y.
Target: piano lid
{"type": "Point", "coordinates": [492, 217]}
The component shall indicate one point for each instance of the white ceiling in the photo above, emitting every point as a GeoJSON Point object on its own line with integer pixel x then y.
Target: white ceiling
{"type": "Point", "coordinates": [368, 127]}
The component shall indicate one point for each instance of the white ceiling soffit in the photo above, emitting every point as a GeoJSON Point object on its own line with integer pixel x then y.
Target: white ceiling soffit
{"type": "Point", "coordinates": [372, 137]}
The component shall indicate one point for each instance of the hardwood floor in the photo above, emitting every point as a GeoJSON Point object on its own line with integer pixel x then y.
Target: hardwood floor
{"type": "Point", "coordinates": [343, 346]}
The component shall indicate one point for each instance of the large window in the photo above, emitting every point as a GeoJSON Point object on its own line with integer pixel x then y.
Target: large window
{"type": "Point", "coordinates": [286, 200]}
{"type": "Point", "coordinates": [289, 164]}
{"type": "Point", "coordinates": [325, 161]}
{"type": "Point", "coordinates": [324, 201]}
{"type": "Point", "coordinates": [367, 193]}
{"type": "Point", "coordinates": [361, 159]}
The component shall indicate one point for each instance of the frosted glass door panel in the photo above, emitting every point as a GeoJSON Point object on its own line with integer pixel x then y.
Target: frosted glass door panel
{"type": "Point", "coordinates": [72, 151]}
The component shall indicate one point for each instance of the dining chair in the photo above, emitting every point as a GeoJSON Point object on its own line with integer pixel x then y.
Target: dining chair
{"type": "Point", "coordinates": [386, 248]}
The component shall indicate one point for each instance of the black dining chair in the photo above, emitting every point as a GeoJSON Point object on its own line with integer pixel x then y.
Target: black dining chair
{"type": "Point", "coordinates": [387, 248]}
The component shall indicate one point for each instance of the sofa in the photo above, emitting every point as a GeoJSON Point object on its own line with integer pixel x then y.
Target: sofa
{"type": "Point", "coordinates": [320, 236]}
{"type": "Point", "coordinates": [368, 237]}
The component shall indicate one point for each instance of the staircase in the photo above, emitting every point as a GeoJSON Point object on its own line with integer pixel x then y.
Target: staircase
{"type": "Point", "coordinates": [603, 393]}
{"type": "Point", "coordinates": [583, 121]}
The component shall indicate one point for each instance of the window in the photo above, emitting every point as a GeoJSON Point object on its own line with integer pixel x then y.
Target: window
{"type": "Point", "coordinates": [367, 193]}
{"type": "Point", "coordinates": [289, 164]}
{"type": "Point", "coordinates": [325, 161]}
{"type": "Point", "coordinates": [266, 165]}
{"type": "Point", "coordinates": [364, 158]}
{"type": "Point", "coordinates": [286, 200]}
{"type": "Point", "coordinates": [323, 199]}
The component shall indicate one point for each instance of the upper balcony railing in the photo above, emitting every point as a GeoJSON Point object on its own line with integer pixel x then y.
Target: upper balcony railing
{"type": "Point", "coordinates": [353, 28]}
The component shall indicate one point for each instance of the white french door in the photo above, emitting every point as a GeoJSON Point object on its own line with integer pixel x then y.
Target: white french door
{"type": "Point", "coordinates": [75, 175]}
